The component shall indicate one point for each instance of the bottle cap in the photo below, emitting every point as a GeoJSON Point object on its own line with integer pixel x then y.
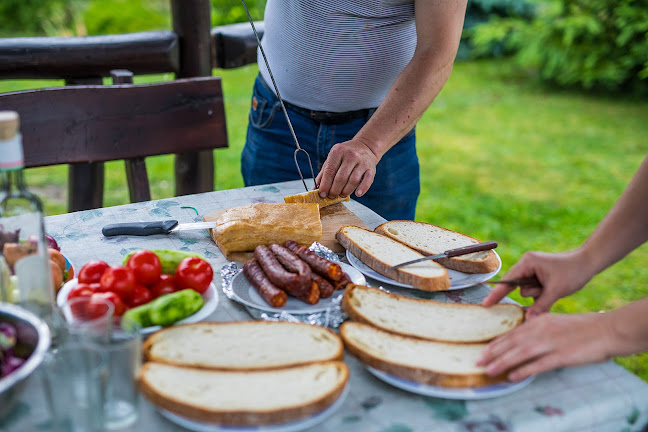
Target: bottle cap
{"type": "Point", "coordinates": [9, 123]}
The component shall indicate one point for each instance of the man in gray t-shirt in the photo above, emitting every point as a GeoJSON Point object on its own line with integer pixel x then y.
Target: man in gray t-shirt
{"type": "Point", "coordinates": [356, 76]}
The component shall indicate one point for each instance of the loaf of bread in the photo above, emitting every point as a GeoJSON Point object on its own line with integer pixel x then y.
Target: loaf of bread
{"type": "Point", "coordinates": [380, 252]}
{"type": "Point", "coordinates": [243, 228]}
{"type": "Point", "coordinates": [423, 361]}
{"type": "Point", "coordinates": [429, 319]}
{"type": "Point", "coordinates": [243, 345]}
{"type": "Point", "coordinates": [313, 197]}
{"type": "Point", "coordinates": [430, 239]}
{"type": "Point", "coordinates": [243, 398]}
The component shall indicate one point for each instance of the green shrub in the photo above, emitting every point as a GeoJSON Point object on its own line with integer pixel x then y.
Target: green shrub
{"type": "Point", "coordinates": [104, 17]}
{"type": "Point", "coordinates": [590, 44]}
{"type": "Point", "coordinates": [232, 11]}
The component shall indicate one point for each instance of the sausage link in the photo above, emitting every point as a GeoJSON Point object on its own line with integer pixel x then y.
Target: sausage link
{"type": "Point", "coordinates": [312, 295]}
{"type": "Point", "coordinates": [291, 261]}
{"type": "Point", "coordinates": [293, 283]}
{"type": "Point", "coordinates": [270, 293]}
{"type": "Point", "coordinates": [325, 287]}
{"type": "Point", "coordinates": [343, 282]}
{"type": "Point", "coordinates": [320, 265]}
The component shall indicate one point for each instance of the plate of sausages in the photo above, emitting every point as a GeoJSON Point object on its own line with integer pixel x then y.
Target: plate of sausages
{"type": "Point", "coordinates": [291, 278]}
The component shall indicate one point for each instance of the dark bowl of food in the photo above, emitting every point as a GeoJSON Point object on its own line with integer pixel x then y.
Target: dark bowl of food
{"type": "Point", "coordinates": [24, 341]}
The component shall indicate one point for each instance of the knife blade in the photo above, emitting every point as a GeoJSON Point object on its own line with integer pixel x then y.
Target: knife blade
{"type": "Point", "coordinates": [478, 247]}
{"type": "Point", "coordinates": [152, 227]}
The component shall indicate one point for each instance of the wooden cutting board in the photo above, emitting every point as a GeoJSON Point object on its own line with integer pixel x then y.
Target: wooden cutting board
{"type": "Point", "coordinates": [333, 218]}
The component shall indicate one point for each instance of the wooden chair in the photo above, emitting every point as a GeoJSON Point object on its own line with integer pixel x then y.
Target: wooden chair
{"type": "Point", "coordinates": [95, 123]}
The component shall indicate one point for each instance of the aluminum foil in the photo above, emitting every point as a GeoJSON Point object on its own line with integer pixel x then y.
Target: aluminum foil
{"type": "Point", "coordinates": [332, 317]}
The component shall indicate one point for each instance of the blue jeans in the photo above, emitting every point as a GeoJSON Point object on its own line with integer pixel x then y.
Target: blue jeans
{"type": "Point", "coordinates": [268, 154]}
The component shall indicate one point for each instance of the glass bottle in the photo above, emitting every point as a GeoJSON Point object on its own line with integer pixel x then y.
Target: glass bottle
{"type": "Point", "coordinates": [23, 247]}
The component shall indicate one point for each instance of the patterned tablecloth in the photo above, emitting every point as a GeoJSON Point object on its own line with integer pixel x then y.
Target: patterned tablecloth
{"type": "Point", "coordinates": [599, 397]}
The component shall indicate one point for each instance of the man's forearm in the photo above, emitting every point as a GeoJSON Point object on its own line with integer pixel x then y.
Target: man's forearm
{"type": "Point", "coordinates": [629, 326]}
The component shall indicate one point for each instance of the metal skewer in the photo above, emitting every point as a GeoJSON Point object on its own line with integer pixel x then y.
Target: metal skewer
{"type": "Point", "coordinates": [283, 107]}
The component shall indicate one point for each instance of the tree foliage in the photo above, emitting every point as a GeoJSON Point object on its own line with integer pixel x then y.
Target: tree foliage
{"type": "Point", "coordinates": [590, 44]}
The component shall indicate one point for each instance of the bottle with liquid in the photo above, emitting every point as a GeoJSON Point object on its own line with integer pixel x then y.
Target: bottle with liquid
{"type": "Point", "coordinates": [24, 262]}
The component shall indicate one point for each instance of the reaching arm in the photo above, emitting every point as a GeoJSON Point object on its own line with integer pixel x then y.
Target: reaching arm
{"type": "Point", "coordinates": [551, 341]}
{"type": "Point", "coordinates": [624, 228]}
{"type": "Point", "coordinates": [352, 164]}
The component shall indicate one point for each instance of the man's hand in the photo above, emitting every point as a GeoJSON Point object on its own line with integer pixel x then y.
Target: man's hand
{"type": "Point", "coordinates": [560, 274]}
{"type": "Point", "coordinates": [550, 341]}
{"type": "Point", "coordinates": [350, 166]}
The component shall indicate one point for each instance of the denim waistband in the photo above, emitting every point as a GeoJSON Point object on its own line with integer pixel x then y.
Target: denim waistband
{"type": "Point", "coordinates": [326, 117]}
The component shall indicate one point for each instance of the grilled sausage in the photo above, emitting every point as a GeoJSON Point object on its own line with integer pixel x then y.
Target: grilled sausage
{"type": "Point", "coordinates": [320, 265]}
{"type": "Point", "coordinates": [325, 287]}
{"type": "Point", "coordinates": [270, 293]}
{"type": "Point", "coordinates": [343, 282]}
{"type": "Point", "coordinates": [312, 295]}
{"type": "Point", "coordinates": [290, 261]}
{"type": "Point", "coordinates": [292, 283]}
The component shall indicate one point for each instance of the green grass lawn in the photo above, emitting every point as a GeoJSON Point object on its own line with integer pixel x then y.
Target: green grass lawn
{"type": "Point", "coordinates": [501, 159]}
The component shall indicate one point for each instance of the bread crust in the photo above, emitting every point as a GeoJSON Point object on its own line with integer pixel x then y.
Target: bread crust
{"type": "Point", "coordinates": [419, 375]}
{"type": "Point", "coordinates": [440, 283]}
{"type": "Point", "coordinates": [487, 265]}
{"type": "Point", "coordinates": [147, 346]}
{"type": "Point", "coordinates": [356, 315]}
{"type": "Point", "coordinates": [313, 197]}
{"type": "Point", "coordinates": [249, 417]}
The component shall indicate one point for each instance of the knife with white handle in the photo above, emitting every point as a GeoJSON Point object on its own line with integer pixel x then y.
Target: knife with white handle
{"type": "Point", "coordinates": [153, 227]}
{"type": "Point", "coordinates": [478, 247]}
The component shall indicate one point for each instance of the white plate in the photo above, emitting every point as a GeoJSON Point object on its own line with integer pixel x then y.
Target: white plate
{"type": "Point", "coordinates": [245, 293]}
{"type": "Point", "coordinates": [293, 426]}
{"type": "Point", "coordinates": [210, 297]}
{"type": "Point", "coordinates": [458, 280]}
{"type": "Point", "coordinates": [472, 393]}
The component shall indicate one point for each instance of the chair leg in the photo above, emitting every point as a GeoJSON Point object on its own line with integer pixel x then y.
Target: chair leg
{"type": "Point", "coordinates": [85, 186]}
{"type": "Point", "coordinates": [194, 172]}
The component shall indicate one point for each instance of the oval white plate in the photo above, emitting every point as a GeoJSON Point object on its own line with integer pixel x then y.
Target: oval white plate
{"type": "Point", "coordinates": [293, 426]}
{"type": "Point", "coordinates": [472, 393]}
{"type": "Point", "coordinates": [210, 297]}
{"type": "Point", "coordinates": [458, 280]}
{"type": "Point", "coordinates": [245, 293]}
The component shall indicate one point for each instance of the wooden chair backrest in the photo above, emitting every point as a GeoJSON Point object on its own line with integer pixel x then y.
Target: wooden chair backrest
{"type": "Point", "coordinates": [96, 123]}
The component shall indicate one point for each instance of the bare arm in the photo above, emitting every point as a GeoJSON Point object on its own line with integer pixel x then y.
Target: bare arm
{"type": "Point", "coordinates": [352, 164]}
{"type": "Point", "coordinates": [624, 228]}
{"type": "Point", "coordinates": [551, 341]}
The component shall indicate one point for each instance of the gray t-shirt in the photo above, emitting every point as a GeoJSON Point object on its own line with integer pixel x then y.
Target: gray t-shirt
{"type": "Point", "coordinates": [337, 55]}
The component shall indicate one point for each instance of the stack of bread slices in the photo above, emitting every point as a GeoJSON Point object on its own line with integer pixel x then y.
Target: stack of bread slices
{"type": "Point", "coordinates": [246, 373]}
{"type": "Point", "coordinates": [398, 241]}
{"type": "Point", "coordinates": [425, 341]}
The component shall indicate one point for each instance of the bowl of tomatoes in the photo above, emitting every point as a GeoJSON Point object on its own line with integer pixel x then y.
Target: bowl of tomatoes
{"type": "Point", "coordinates": [142, 277]}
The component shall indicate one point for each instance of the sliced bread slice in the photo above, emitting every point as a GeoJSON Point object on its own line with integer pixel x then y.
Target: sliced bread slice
{"type": "Point", "coordinates": [380, 252]}
{"type": "Point", "coordinates": [243, 345]}
{"type": "Point", "coordinates": [430, 239]}
{"type": "Point", "coordinates": [426, 362]}
{"type": "Point", "coordinates": [313, 197]}
{"type": "Point", "coordinates": [429, 319]}
{"type": "Point", "coordinates": [243, 398]}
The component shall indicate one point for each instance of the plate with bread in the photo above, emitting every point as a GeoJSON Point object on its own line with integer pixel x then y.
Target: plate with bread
{"type": "Point", "coordinates": [395, 242]}
{"type": "Point", "coordinates": [425, 346]}
{"type": "Point", "coordinates": [240, 376]}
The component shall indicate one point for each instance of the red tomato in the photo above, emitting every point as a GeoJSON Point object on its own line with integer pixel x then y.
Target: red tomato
{"type": "Point", "coordinates": [91, 272]}
{"type": "Point", "coordinates": [119, 280]}
{"type": "Point", "coordinates": [141, 295]}
{"type": "Point", "coordinates": [96, 287]}
{"type": "Point", "coordinates": [95, 308]}
{"type": "Point", "coordinates": [81, 290]}
{"type": "Point", "coordinates": [194, 273]}
{"type": "Point", "coordinates": [165, 285]}
{"type": "Point", "coordinates": [120, 306]}
{"type": "Point", "coordinates": [146, 266]}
